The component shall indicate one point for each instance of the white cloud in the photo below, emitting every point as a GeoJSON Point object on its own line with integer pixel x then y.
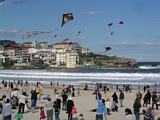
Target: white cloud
{"type": "Point", "coordinates": [11, 32]}
{"type": "Point", "coordinates": [11, 1]}
{"type": "Point", "coordinates": [8, 31]}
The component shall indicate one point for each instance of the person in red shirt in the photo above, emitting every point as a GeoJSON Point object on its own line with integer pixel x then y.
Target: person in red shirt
{"type": "Point", "coordinates": [42, 114]}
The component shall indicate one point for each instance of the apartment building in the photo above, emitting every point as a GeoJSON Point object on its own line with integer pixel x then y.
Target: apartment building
{"type": "Point", "coordinates": [60, 58]}
{"type": "Point", "coordinates": [71, 59]}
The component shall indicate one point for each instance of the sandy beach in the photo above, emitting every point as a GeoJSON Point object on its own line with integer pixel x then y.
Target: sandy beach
{"type": "Point", "coordinates": [83, 103]}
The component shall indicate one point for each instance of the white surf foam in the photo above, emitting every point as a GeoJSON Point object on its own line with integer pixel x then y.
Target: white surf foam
{"type": "Point", "coordinates": [81, 77]}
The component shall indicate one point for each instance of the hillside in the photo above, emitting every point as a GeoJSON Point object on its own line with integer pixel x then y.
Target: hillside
{"type": "Point", "coordinates": [96, 60]}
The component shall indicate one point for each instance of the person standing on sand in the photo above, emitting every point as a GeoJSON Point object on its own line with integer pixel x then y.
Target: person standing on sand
{"type": "Point", "coordinates": [121, 98]}
{"type": "Point", "coordinates": [128, 115]}
{"type": "Point", "coordinates": [42, 113]}
{"type": "Point", "coordinates": [145, 100]}
{"type": "Point", "coordinates": [49, 107]}
{"type": "Point", "coordinates": [101, 111]}
{"type": "Point", "coordinates": [70, 105]}
{"type": "Point", "coordinates": [56, 110]}
{"type": "Point", "coordinates": [136, 107]}
{"type": "Point", "coordinates": [64, 100]}
{"type": "Point", "coordinates": [73, 91]}
{"type": "Point", "coordinates": [22, 100]}
{"type": "Point", "coordinates": [115, 102]}
{"type": "Point", "coordinates": [139, 95]}
{"type": "Point", "coordinates": [115, 97]}
{"type": "Point", "coordinates": [7, 111]}
{"type": "Point", "coordinates": [78, 91]}
{"type": "Point", "coordinates": [149, 97]}
{"type": "Point", "coordinates": [154, 100]}
{"type": "Point", "coordinates": [34, 98]}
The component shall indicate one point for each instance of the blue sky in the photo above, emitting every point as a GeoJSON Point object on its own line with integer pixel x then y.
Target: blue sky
{"type": "Point", "coordinates": [138, 37]}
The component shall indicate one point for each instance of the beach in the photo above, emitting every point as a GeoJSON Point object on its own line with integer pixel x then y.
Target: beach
{"type": "Point", "coordinates": [83, 103]}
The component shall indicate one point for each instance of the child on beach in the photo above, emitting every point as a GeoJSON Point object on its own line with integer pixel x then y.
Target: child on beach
{"type": "Point", "coordinates": [19, 115]}
{"type": "Point", "coordinates": [42, 114]}
{"type": "Point", "coordinates": [81, 117]}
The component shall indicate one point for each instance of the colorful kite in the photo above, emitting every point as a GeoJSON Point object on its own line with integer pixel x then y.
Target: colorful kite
{"type": "Point", "coordinates": [121, 22]}
{"type": "Point", "coordinates": [108, 48]}
{"type": "Point", "coordinates": [66, 18]}
{"type": "Point", "coordinates": [110, 24]}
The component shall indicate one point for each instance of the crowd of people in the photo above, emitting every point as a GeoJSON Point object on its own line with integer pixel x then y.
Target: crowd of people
{"type": "Point", "coordinates": [105, 106]}
{"type": "Point", "coordinates": [25, 100]}
{"type": "Point", "coordinates": [19, 100]}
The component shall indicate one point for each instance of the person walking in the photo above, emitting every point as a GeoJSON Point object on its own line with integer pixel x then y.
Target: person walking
{"type": "Point", "coordinates": [136, 107]}
{"type": "Point", "coordinates": [101, 112]}
{"type": "Point", "coordinates": [121, 98]}
{"type": "Point", "coordinates": [7, 111]}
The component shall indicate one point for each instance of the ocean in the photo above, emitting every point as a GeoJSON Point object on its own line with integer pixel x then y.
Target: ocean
{"type": "Point", "coordinates": [145, 73]}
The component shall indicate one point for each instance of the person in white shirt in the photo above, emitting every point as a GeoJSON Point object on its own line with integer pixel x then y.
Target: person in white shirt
{"type": "Point", "coordinates": [15, 93]}
{"type": "Point", "coordinates": [22, 101]}
{"type": "Point", "coordinates": [128, 115]}
{"type": "Point", "coordinates": [27, 107]}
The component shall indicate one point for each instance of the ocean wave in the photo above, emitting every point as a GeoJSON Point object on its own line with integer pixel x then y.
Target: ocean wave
{"type": "Point", "coordinates": [63, 75]}
{"type": "Point", "coordinates": [149, 67]}
{"type": "Point", "coordinates": [80, 78]}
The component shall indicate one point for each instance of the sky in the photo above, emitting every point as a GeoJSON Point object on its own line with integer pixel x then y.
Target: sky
{"type": "Point", "coordinates": [137, 38]}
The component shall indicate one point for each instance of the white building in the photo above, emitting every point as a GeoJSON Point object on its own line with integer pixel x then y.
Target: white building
{"type": "Point", "coordinates": [32, 50]}
{"type": "Point", "coordinates": [71, 59]}
{"type": "Point", "coordinates": [60, 59]}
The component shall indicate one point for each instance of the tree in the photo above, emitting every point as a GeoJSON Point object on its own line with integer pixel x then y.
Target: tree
{"type": "Point", "coordinates": [8, 64]}
{"type": "Point", "coordinates": [98, 63]}
{"type": "Point", "coordinates": [38, 64]}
